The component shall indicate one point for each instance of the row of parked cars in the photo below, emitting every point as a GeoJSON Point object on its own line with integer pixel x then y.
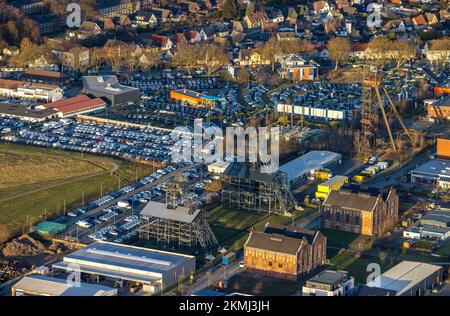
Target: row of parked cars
{"type": "Point", "coordinates": [254, 96]}
{"type": "Point", "coordinates": [125, 142]}
{"type": "Point", "coordinates": [329, 95]}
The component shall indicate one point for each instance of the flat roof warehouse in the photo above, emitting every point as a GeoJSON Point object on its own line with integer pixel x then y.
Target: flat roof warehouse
{"type": "Point", "coordinates": [123, 262]}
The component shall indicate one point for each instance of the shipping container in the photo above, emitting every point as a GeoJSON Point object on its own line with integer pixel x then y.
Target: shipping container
{"type": "Point", "coordinates": [228, 258]}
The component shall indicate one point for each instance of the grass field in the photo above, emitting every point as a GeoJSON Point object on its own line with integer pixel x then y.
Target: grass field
{"type": "Point", "coordinates": [337, 238]}
{"type": "Point", "coordinates": [232, 226]}
{"type": "Point", "coordinates": [37, 182]}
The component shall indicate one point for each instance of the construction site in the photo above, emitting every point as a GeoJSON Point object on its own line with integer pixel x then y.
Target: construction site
{"type": "Point", "coordinates": [178, 222]}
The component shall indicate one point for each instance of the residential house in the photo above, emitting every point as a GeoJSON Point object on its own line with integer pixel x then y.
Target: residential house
{"type": "Point", "coordinates": [163, 15]}
{"type": "Point", "coordinates": [190, 7]}
{"type": "Point", "coordinates": [106, 24]}
{"type": "Point", "coordinates": [179, 39]}
{"type": "Point", "coordinates": [252, 58]}
{"type": "Point", "coordinates": [295, 68]}
{"type": "Point", "coordinates": [340, 4]}
{"type": "Point", "coordinates": [275, 15]}
{"type": "Point", "coordinates": [329, 283]}
{"type": "Point", "coordinates": [221, 29]}
{"type": "Point", "coordinates": [321, 7]}
{"type": "Point", "coordinates": [123, 20]}
{"type": "Point", "coordinates": [286, 36]}
{"type": "Point", "coordinates": [88, 29]}
{"type": "Point", "coordinates": [207, 33]}
{"type": "Point", "coordinates": [162, 42]}
{"type": "Point", "coordinates": [431, 18]}
{"type": "Point", "coordinates": [369, 212]}
{"type": "Point", "coordinates": [358, 51]}
{"type": "Point", "coordinates": [434, 55]}
{"type": "Point", "coordinates": [256, 19]}
{"type": "Point", "coordinates": [205, 4]}
{"type": "Point", "coordinates": [70, 54]}
{"type": "Point", "coordinates": [193, 36]}
{"type": "Point", "coordinates": [397, 26]}
{"type": "Point", "coordinates": [291, 16]}
{"type": "Point", "coordinates": [284, 252]}
{"type": "Point", "coordinates": [419, 22]}
{"type": "Point", "coordinates": [145, 19]}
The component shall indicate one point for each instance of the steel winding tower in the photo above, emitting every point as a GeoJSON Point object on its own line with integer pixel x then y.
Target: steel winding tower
{"type": "Point", "coordinates": [372, 97]}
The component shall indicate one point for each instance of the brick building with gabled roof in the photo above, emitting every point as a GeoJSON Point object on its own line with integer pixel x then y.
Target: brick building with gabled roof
{"type": "Point", "coordinates": [284, 252]}
{"type": "Point", "coordinates": [366, 211]}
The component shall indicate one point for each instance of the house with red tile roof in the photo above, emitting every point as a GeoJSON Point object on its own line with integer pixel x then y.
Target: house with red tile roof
{"type": "Point", "coordinates": [419, 21]}
{"type": "Point", "coordinates": [162, 42]}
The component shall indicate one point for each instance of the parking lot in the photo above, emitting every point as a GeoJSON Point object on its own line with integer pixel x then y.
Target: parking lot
{"type": "Point", "coordinates": [114, 217]}
{"type": "Point", "coordinates": [148, 144]}
{"type": "Point", "coordinates": [320, 94]}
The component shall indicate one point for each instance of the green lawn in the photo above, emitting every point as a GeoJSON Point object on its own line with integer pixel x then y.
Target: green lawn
{"type": "Point", "coordinates": [19, 213]}
{"type": "Point", "coordinates": [337, 238]}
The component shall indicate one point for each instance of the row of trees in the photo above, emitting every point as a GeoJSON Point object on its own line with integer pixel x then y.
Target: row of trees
{"type": "Point", "coordinates": [14, 26]}
{"type": "Point", "coordinates": [380, 49]}
{"type": "Point", "coordinates": [273, 49]}
{"type": "Point", "coordinates": [211, 56]}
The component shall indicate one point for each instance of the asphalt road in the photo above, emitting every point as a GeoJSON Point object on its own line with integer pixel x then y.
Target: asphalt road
{"type": "Point", "coordinates": [207, 279]}
{"type": "Point", "coordinates": [83, 233]}
{"type": "Point", "coordinates": [394, 177]}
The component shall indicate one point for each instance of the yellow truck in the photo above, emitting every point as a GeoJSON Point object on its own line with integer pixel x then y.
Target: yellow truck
{"type": "Point", "coordinates": [322, 174]}
{"type": "Point", "coordinates": [334, 183]}
{"type": "Point", "coordinates": [359, 178]}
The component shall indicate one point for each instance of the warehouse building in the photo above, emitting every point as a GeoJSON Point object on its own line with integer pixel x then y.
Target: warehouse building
{"type": "Point", "coordinates": [284, 252]}
{"type": "Point", "coordinates": [434, 225]}
{"type": "Point", "coordinates": [45, 76]}
{"type": "Point", "coordinates": [299, 169]}
{"type": "Point", "coordinates": [150, 269]}
{"type": "Point", "coordinates": [24, 113]}
{"type": "Point", "coordinates": [407, 278]}
{"type": "Point", "coordinates": [29, 90]}
{"type": "Point", "coordinates": [435, 173]}
{"type": "Point", "coordinates": [316, 112]}
{"type": "Point", "coordinates": [368, 212]}
{"type": "Point", "coordinates": [109, 88]}
{"type": "Point", "coordinates": [193, 98]}
{"type": "Point", "coordinates": [329, 283]}
{"type": "Point", "coordinates": [42, 285]}
{"type": "Point", "coordinates": [81, 104]}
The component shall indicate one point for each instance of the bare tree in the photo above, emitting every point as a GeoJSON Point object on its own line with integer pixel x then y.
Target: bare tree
{"type": "Point", "coordinates": [403, 51]}
{"type": "Point", "coordinates": [339, 50]}
{"type": "Point", "coordinates": [96, 59]}
{"type": "Point", "coordinates": [186, 56]}
{"type": "Point", "coordinates": [381, 50]}
{"type": "Point", "coordinates": [213, 57]}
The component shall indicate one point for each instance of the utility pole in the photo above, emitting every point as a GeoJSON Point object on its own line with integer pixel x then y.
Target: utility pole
{"type": "Point", "coordinates": [64, 207]}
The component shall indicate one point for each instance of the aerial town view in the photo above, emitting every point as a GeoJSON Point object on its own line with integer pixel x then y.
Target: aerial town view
{"type": "Point", "coordinates": [224, 148]}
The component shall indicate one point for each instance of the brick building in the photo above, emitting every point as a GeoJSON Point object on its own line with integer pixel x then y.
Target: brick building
{"type": "Point", "coordinates": [284, 252]}
{"type": "Point", "coordinates": [368, 212]}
